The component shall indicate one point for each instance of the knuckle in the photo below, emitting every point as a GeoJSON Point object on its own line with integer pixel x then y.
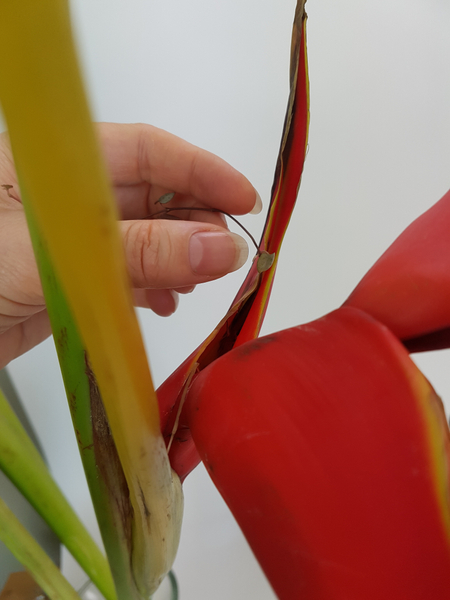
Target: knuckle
{"type": "Point", "coordinates": [194, 177]}
{"type": "Point", "coordinates": [151, 253]}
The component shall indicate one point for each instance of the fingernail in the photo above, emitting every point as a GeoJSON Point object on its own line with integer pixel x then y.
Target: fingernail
{"type": "Point", "coordinates": [215, 253]}
{"type": "Point", "coordinates": [258, 205]}
{"type": "Point", "coordinates": [176, 299]}
{"type": "Point", "coordinates": [224, 219]}
{"type": "Point", "coordinates": [186, 289]}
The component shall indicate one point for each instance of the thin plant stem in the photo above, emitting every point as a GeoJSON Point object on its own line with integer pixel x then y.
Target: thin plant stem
{"type": "Point", "coordinates": [30, 554]}
{"type": "Point", "coordinates": [22, 463]}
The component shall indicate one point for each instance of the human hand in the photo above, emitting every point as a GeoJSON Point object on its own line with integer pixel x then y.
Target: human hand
{"type": "Point", "coordinates": [164, 257]}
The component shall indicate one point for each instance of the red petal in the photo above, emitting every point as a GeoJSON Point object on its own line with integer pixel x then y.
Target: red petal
{"type": "Point", "coordinates": [408, 288]}
{"type": "Point", "coordinates": [245, 317]}
{"type": "Point", "coordinates": [331, 449]}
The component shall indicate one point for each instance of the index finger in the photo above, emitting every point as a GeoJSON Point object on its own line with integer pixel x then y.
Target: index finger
{"type": "Point", "coordinates": [141, 156]}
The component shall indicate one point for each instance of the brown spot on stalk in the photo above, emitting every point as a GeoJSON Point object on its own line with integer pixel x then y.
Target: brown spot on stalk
{"type": "Point", "coordinates": [107, 459]}
{"type": "Point", "coordinates": [144, 504]}
{"type": "Point", "coordinates": [72, 401]}
{"type": "Point", "coordinates": [62, 339]}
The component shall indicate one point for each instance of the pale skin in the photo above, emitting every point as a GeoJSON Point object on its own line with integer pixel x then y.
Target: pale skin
{"type": "Point", "coordinates": [164, 257]}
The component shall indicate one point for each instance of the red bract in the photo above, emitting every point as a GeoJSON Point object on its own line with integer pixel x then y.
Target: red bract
{"type": "Point", "coordinates": [245, 316]}
{"type": "Point", "coordinates": [331, 449]}
{"type": "Point", "coordinates": [327, 443]}
{"type": "Point", "coordinates": [408, 288]}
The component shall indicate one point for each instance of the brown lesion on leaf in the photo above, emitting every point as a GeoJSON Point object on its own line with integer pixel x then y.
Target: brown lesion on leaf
{"type": "Point", "coordinates": [144, 503]}
{"type": "Point", "coordinates": [72, 401]}
{"type": "Point", "coordinates": [107, 459]}
{"type": "Point", "coordinates": [78, 436]}
{"type": "Point", "coordinates": [80, 441]}
{"type": "Point", "coordinates": [61, 339]}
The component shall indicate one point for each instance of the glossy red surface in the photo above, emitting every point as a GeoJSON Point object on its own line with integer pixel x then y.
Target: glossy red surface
{"type": "Point", "coordinates": [318, 439]}
{"type": "Point", "coordinates": [408, 288]}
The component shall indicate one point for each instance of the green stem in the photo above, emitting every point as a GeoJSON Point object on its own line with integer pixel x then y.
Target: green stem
{"type": "Point", "coordinates": [32, 556]}
{"type": "Point", "coordinates": [101, 464]}
{"type": "Point", "coordinates": [22, 463]}
{"type": "Point", "coordinates": [174, 584]}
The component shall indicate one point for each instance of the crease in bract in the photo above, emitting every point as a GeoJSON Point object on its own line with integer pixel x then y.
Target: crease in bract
{"type": "Point", "coordinates": [245, 316]}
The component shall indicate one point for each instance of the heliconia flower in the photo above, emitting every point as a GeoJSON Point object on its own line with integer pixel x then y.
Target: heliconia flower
{"type": "Point", "coordinates": [327, 443]}
{"type": "Point", "coordinates": [332, 451]}
{"type": "Point", "coordinates": [408, 288]}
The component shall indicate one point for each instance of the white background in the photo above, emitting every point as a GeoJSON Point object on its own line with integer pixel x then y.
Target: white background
{"type": "Point", "coordinates": [216, 73]}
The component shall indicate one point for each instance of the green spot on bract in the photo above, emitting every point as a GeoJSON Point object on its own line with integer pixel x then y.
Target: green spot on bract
{"type": "Point", "coordinates": [265, 261]}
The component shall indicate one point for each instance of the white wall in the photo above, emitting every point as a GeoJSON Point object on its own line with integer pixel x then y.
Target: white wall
{"type": "Point", "coordinates": [216, 73]}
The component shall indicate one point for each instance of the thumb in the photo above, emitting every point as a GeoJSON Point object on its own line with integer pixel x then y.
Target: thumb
{"type": "Point", "coordinates": [172, 254]}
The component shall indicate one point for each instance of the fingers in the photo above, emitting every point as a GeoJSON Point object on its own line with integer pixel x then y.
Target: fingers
{"type": "Point", "coordinates": [188, 289]}
{"type": "Point", "coordinates": [9, 191]}
{"type": "Point", "coordinates": [144, 162]}
{"type": "Point", "coordinates": [22, 337]}
{"type": "Point", "coordinates": [20, 287]}
{"type": "Point", "coordinates": [179, 254]}
{"type": "Point", "coordinates": [162, 302]}
{"type": "Point", "coordinates": [164, 257]}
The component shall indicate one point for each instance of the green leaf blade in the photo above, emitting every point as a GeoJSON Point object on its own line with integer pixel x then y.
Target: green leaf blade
{"type": "Point", "coordinates": [27, 551]}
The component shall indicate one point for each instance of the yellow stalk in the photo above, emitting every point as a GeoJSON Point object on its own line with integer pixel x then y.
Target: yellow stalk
{"type": "Point", "coordinates": [57, 153]}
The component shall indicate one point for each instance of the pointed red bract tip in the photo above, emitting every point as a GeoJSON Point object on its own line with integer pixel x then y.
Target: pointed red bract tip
{"type": "Point", "coordinates": [246, 314]}
{"type": "Point", "coordinates": [408, 288]}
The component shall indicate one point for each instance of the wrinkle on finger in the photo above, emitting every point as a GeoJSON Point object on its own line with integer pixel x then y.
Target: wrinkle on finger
{"type": "Point", "coordinates": [158, 252]}
{"type": "Point", "coordinates": [148, 251]}
{"type": "Point", "coordinates": [19, 277]}
{"type": "Point", "coordinates": [22, 337]}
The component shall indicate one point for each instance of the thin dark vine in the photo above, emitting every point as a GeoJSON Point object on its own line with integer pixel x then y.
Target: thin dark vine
{"type": "Point", "coordinates": [265, 260]}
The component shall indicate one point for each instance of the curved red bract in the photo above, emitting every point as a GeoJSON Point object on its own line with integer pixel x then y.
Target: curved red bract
{"type": "Point", "coordinates": [245, 316]}
{"type": "Point", "coordinates": [331, 450]}
{"type": "Point", "coordinates": [329, 446]}
{"type": "Point", "coordinates": [408, 288]}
